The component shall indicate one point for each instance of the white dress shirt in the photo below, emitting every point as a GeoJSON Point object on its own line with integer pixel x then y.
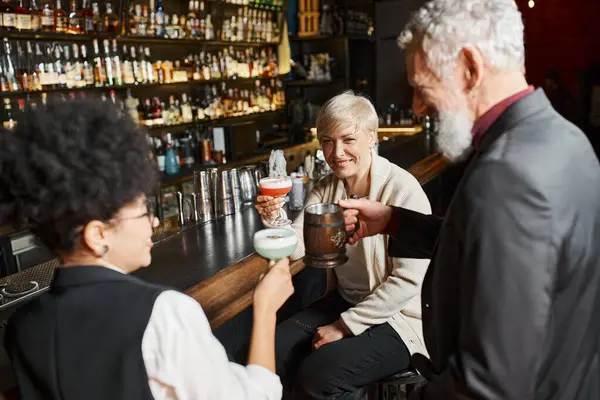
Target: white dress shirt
{"type": "Point", "coordinates": [185, 361]}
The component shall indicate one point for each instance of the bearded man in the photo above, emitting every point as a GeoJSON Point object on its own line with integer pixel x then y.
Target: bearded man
{"type": "Point", "coordinates": [510, 302]}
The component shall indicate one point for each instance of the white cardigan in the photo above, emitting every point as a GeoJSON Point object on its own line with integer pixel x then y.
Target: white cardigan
{"type": "Point", "coordinates": [395, 282]}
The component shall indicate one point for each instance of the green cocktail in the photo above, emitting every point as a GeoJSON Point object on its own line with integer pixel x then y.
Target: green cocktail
{"type": "Point", "coordinates": [275, 244]}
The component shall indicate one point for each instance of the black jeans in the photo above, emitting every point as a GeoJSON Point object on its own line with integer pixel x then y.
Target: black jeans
{"type": "Point", "coordinates": [337, 369]}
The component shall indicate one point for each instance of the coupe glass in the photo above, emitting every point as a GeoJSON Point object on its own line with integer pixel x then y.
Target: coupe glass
{"type": "Point", "coordinates": [275, 243]}
{"type": "Point", "coordinates": [277, 187]}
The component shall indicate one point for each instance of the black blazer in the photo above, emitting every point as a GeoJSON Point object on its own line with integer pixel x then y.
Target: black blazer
{"type": "Point", "coordinates": [511, 300]}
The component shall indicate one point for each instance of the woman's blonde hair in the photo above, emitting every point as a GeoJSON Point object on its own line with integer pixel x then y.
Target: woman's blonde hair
{"type": "Point", "coordinates": [346, 111]}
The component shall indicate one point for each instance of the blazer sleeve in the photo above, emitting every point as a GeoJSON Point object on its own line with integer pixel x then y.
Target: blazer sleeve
{"type": "Point", "coordinates": [507, 279]}
{"type": "Point", "coordinates": [412, 233]}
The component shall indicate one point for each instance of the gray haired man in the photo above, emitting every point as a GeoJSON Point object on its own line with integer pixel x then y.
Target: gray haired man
{"type": "Point", "coordinates": [510, 302]}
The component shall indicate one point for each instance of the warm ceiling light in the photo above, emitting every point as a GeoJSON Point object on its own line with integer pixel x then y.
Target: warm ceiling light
{"type": "Point", "coordinates": [531, 3]}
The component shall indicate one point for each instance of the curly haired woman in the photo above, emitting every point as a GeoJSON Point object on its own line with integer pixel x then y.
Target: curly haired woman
{"type": "Point", "coordinates": [78, 173]}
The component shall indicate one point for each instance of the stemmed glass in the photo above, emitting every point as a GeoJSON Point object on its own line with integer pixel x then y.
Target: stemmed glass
{"type": "Point", "coordinates": [277, 187]}
{"type": "Point", "coordinates": [275, 243]}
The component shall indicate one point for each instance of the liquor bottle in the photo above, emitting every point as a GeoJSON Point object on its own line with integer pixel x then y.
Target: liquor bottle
{"type": "Point", "coordinates": [76, 22]}
{"type": "Point", "coordinates": [111, 20]}
{"type": "Point", "coordinates": [150, 74]}
{"type": "Point", "coordinates": [97, 18]}
{"type": "Point", "coordinates": [60, 18]}
{"type": "Point", "coordinates": [8, 14]}
{"type": "Point", "coordinates": [191, 17]}
{"type": "Point", "coordinates": [78, 75]}
{"type": "Point", "coordinates": [88, 18]}
{"type": "Point", "coordinates": [143, 24]}
{"type": "Point", "coordinates": [22, 18]}
{"type": "Point", "coordinates": [9, 68]}
{"type": "Point", "coordinates": [22, 69]}
{"type": "Point", "coordinates": [99, 71]}
{"type": "Point", "coordinates": [135, 64]}
{"type": "Point", "coordinates": [47, 16]}
{"type": "Point", "coordinates": [108, 64]}
{"type": "Point", "coordinates": [117, 65]}
{"type": "Point", "coordinates": [128, 77]}
{"type": "Point", "coordinates": [59, 68]}
{"type": "Point", "coordinates": [186, 109]}
{"type": "Point", "coordinates": [88, 69]}
{"type": "Point", "coordinates": [131, 105]}
{"type": "Point", "coordinates": [35, 17]}
{"type": "Point", "coordinates": [133, 20]}
{"type": "Point", "coordinates": [156, 112]}
{"type": "Point", "coordinates": [143, 65]}
{"type": "Point", "coordinates": [159, 18]}
{"type": "Point", "coordinates": [160, 154]}
{"type": "Point", "coordinates": [39, 66]}
{"type": "Point", "coordinates": [209, 30]}
{"type": "Point", "coordinates": [34, 77]}
{"type": "Point", "coordinates": [151, 31]}
{"type": "Point", "coordinates": [69, 67]}
{"type": "Point", "coordinates": [171, 162]}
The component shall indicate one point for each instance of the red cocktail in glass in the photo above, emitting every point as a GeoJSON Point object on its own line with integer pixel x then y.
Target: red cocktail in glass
{"type": "Point", "coordinates": [276, 187]}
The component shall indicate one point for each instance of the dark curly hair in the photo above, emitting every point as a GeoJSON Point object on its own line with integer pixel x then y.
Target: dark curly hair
{"type": "Point", "coordinates": [70, 163]}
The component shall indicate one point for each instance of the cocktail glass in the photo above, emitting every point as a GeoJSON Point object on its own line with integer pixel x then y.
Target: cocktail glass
{"type": "Point", "coordinates": [275, 243]}
{"type": "Point", "coordinates": [277, 187]}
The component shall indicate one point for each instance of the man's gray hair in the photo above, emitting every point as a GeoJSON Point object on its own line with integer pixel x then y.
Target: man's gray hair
{"type": "Point", "coordinates": [442, 28]}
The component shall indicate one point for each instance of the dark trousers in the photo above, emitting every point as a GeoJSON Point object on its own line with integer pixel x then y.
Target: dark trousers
{"type": "Point", "coordinates": [338, 369]}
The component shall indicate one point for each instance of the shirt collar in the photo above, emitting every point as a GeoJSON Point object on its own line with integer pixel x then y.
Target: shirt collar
{"type": "Point", "coordinates": [484, 122]}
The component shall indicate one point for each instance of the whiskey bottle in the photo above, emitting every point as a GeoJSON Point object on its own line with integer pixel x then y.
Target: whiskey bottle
{"type": "Point", "coordinates": [60, 18]}
{"type": "Point", "coordinates": [75, 21]}
{"type": "Point", "coordinates": [8, 15]}
{"type": "Point", "coordinates": [47, 16]}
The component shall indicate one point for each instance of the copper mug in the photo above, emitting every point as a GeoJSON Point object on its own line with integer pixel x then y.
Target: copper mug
{"type": "Point", "coordinates": [325, 236]}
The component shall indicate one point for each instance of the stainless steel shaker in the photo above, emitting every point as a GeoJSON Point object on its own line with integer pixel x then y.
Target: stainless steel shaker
{"type": "Point", "coordinates": [224, 194]}
{"type": "Point", "coordinates": [203, 187]}
{"type": "Point", "coordinates": [236, 189]}
{"type": "Point", "coordinates": [248, 184]}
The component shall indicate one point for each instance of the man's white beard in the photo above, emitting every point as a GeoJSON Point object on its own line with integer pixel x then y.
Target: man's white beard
{"type": "Point", "coordinates": [454, 135]}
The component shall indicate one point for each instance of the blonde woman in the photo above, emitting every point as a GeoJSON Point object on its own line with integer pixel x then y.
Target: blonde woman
{"type": "Point", "coordinates": [367, 328]}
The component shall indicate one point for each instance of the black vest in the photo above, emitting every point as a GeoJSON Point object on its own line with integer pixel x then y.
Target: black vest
{"type": "Point", "coordinates": [83, 339]}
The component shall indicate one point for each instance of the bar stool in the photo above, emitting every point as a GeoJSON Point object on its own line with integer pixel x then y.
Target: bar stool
{"type": "Point", "coordinates": [390, 387]}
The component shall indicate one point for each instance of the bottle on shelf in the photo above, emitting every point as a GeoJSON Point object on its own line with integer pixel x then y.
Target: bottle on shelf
{"type": "Point", "coordinates": [171, 158]}
{"type": "Point", "coordinates": [87, 18]}
{"type": "Point", "coordinates": [34, 16]}
{"type": "Point", "coordinates": [22, 18]}
{"type": "Point", "coordinates": [159, 19]}
{"type": "Point", "coordinates": [9, 16]}
{"type": "Point", "coordinates": [60, 18]}
{"type": "Point", "coordinates": [99, 71]}
{"type": "Point", "coordinates": [108, 65]}
{"type": "Point", "coordinates": [47, 16]}
{"type": "Point", "coordinates": [75, 21]}
{"type": "Point", "coordinates": [111, 20]}
{"type": "Point", "coordinates": [117, 66]}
